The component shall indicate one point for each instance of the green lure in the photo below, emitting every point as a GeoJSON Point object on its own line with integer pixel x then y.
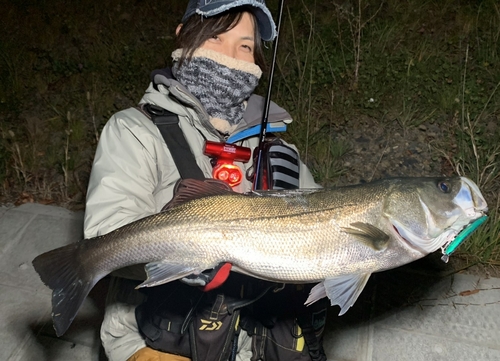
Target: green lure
{"type": "Point", "coordinates": [466, 232]}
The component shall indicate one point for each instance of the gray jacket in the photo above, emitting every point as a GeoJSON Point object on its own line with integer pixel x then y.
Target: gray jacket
{"type": "Point", "coordinates": [133, 176]}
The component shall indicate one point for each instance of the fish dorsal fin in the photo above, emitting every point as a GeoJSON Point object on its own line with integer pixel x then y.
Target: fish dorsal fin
{"type": "Point", "coordinates": [370, 235]}
{"type": "Point", "coordinates": [188, 189]}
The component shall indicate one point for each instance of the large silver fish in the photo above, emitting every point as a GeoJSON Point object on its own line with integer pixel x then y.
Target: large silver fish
{"type": "Point", "coordinates": [335, 237]}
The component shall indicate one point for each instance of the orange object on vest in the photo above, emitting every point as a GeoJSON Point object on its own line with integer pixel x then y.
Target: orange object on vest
{"type": "Point", "coordinates": [224, 155]}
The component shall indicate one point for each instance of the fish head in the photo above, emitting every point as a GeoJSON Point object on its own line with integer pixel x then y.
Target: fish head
{"type": "Point", "coordinates": [425, 214]}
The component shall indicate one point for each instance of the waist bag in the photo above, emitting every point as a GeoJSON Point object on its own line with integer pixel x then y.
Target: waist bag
{"type": "Point", "coordinates": [182, 320]}
{"type": "Point", "coordinates": [165, 317]}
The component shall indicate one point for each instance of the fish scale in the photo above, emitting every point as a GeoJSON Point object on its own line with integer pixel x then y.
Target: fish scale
{"type": "Point", "coordinates": [336, 237]}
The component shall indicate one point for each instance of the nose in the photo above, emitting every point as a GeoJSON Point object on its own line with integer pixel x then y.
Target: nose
{"type": "Point", "coordinates": [230, 50]}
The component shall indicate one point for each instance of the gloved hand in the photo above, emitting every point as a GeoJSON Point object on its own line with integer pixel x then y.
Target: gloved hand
{"type": "Point", "coordinates": [211, 280]}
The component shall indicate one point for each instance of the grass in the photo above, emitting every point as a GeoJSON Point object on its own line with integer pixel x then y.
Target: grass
{"type": "Point", "coordinates": [65, 70]}
{"type": "Point", "coordinates": [483, 245]}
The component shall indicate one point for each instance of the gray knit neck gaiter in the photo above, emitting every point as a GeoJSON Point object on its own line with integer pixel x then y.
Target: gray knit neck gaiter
{"type": "Point", "coordinates": [222, 84]}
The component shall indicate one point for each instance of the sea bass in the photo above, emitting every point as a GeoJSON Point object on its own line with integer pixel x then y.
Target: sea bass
{"type": "Point", "coordinates": [335, 237]}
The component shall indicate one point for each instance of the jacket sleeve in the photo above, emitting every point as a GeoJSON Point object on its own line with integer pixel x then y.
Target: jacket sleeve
{"type": "Point", "coordinates": [306, 178]}
{"type": "Point", "coordinates": [122, 180]}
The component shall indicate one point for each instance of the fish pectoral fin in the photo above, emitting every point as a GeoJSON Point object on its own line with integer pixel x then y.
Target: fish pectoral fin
{"type": "Point", "coordinates": [162, 272]}
{"type": "Point", "coordinates": [342, 291]}
{"type": "Point", "coordinates": [370, 235]}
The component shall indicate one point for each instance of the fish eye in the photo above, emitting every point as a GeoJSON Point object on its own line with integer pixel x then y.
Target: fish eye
{"type": "Point", "coordinates": [444, 187]}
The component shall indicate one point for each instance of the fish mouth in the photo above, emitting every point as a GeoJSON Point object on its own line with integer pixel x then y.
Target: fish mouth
{"type": "Point", "coordinates": [471, 205]}
{"type": "Point", "coordinates": [406, 237]}
{"type": "Point", "coordinates": [423, 245]}
{"type": "Point", "coordinates": [470, 199]}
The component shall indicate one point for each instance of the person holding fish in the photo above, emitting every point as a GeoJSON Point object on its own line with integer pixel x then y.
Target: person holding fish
{"type": "Point", "coordinates": [207, 99]}
{"type": "Point", "coordinates": [288, 249]}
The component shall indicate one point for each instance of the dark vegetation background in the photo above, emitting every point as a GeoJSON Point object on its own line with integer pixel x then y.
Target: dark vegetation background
{"type": "Point", "coordinates": [356, 76]}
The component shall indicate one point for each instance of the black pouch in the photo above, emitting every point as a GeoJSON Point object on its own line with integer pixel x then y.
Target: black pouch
{"type": "Point", "coordinates": [217, 319]}
{"type": "Point", "coordinates": [214, 327]}
{"type": "Point", "coordinates": [312, 321]}
{"type": "Point", "coordinates": [164, 319]}
{"type": "Point", "coordinates": [282, 341]}
{"type": "Point", "coordinates": [283, 328]}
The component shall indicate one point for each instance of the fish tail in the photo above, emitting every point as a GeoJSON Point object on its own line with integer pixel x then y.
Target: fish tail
{"type": "Point", "coordinates": [69, 282]}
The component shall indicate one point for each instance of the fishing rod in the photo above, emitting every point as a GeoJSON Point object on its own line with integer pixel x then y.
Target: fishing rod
{"type": "Point", "coordinates": [257, 182]}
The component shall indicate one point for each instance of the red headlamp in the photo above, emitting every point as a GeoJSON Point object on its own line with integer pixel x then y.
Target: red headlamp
{"type": "Point", "coordinates": [223, 156]}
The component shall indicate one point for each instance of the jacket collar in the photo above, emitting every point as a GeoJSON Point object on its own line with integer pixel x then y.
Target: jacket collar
{"type": "Point", "coordinates": [251, 117]}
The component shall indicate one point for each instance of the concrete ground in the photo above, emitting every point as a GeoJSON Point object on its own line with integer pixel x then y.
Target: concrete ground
{"type": "Point", "coordinates": [405, 314]}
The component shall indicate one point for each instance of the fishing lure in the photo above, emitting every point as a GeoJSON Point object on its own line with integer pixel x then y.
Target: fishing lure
{"type": "Point", "coordinates": [449, 248]}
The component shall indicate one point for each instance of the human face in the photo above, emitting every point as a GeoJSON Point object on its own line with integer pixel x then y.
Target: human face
{"type": "Point", "coordinates": [237, 43]}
